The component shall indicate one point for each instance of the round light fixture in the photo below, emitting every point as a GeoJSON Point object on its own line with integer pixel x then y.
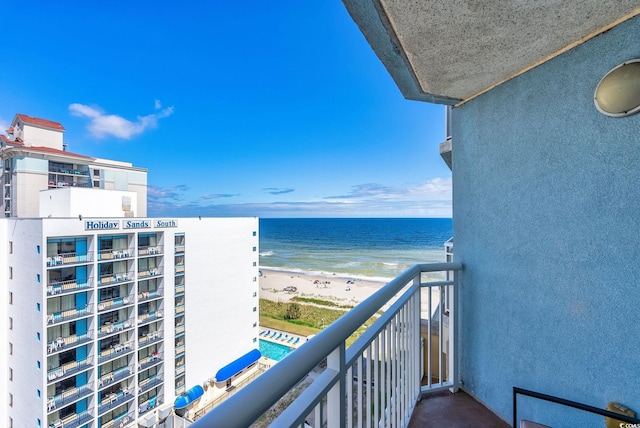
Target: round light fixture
{"type": "Point", "coordinates": [618, 93]}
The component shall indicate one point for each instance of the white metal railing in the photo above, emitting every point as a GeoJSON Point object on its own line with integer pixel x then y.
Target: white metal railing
{"type": "Point", "coordinates": [377, 380]}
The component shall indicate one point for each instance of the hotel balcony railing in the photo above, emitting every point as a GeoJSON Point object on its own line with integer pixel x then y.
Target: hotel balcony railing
{"type": "Point", "coordinates": [180, 309]}
{"type": "Point", "coordinates": [151, 250]}
{"type": "Point", "coordinates": [178, 248]}
{"type": "Point", "coordinates": [150, 294]}
{"type": "Point", "coordinates": [69, 369]}
{"type": "Point", "coordinates": [156, 271]}
{"type": "Point", "coordinates": [147, 318]}
{"type": "Point", "coordinates": [69, 258]}
{"type": "Point", "coordinates": [120, 253]}
{"type": "Point", "coordinates": [150, 361]}
{"type": "Point", "coordinates": [118, 302]}
{"type": "Point", "coordinates": [108, 329]}
{"type": "Point", "coordinates": [122, 420]}
{"type": "Point", "coordinates": [179, 289]}
{"type": "Point", "coordinates": [115, 278]}
{"type": "Point", "coordinates": [69, 396]}
{"type": "Point", "coordinates": [70, 286]}
{"type": "Point", "coordinates": [63, 343]}
{"type": "Point", "coordinates": [69, 315]}
{"type": "Point", "coordinates": [150, 382]}
{"type": "Point", "coordinates": [114, 376]}
{"type": "Point", "coordinates": [74, 420]}
{"type": "Point", "coordinates": [179, 269]}
{"type": "Point", "coordinates": [149, 338]}
{"type": "Point", "coordinates": [112, 400]}
{"type": "Point", "coordinates": [179, 329]}
{"type": "Point", "coordinates": [115, 351]}
{"type": "Point", "coordinates": [180, 350]}
{"type": "Point", "coordinates": [374, 382]}
{"type": "Point", "coordinates": [151, 403]}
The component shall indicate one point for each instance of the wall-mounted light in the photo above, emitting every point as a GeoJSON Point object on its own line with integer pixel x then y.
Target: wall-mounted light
{"type": "Point", "coordinates": [618, 93]}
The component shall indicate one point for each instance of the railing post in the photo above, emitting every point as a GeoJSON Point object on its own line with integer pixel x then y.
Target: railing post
{"type": "Point", "coordinates": [336, 398]}
{"type": "Point", "coordinates": [453, 333]}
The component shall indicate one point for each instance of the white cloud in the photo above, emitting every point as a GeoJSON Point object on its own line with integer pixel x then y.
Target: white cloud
{"type": "Point", "coordinates": [102, 125]}
{"type": "Point", "coordinates": [4, 125]}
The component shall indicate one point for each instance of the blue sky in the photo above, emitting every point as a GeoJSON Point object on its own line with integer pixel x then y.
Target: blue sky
{"type": "Point", "coordinates": [235, 108]}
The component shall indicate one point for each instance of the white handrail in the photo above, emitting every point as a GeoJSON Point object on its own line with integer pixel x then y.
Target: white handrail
{"type": "Point", "coordinates": [248, 404]}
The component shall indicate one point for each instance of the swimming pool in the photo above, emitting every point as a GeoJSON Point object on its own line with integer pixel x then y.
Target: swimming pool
{"type": "Point", "coordinates": [272, 350]}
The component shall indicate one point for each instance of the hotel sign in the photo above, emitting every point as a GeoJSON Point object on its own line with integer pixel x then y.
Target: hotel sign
{"type": "Point", "coordinates": [101, 225]}
{"type": "Point", "coordinates": [166, 223]}
{"type": "Point", "coordinates": [136, 224]}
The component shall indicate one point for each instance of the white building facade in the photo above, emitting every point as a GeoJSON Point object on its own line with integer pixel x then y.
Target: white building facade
{"type": "Point", "coordinates": [108, 319]}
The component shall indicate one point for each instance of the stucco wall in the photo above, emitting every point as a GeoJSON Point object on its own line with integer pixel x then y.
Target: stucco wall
{"type": "Point", "coordinates": [546, 205]}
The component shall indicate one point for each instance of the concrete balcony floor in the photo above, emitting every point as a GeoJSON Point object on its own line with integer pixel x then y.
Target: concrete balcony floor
{"type": "Point", "coordinates": [446, 410]}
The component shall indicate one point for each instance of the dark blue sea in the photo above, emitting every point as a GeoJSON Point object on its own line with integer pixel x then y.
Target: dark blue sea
{"type": "Point", "coordinates": [368, 248]}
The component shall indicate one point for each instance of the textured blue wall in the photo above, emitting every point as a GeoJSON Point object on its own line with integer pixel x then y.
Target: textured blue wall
{"type": "Point", "coordinates": [546, 203]}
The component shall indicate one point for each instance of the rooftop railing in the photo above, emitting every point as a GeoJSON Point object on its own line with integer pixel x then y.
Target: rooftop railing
{"type": "Point", "coordinates": [377, 380]}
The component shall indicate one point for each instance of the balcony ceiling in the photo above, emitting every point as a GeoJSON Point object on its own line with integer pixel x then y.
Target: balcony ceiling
{"type": "Point", "coordinates": [451, 51]}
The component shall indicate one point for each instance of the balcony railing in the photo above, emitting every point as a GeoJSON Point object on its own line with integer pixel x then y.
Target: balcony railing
{"type": "Point", "coordinates": [107, 329]}
{"type": "Point", "coordinates": [111, 304]}
{"type": "Point", "coordinates": [115, 278]}
{"type": "Point", "coordinates": [375, 381]}
{"type": "Point", "coordinates": [119, 421]}
{"type": "Point", "coordinates": [70, 286]}
{"type": "Point", "coordinates": [69, 369]}
{"type": "Point", "coordinates": [115, 351]}
{"type": "Point", "coordinates": [149, 338]}
{"type": "Point", "coordinates": [69, 396]}
{"type": "Point", "coordinates": [149, 404]}
{"type": "Point", "coordinates": [63, 343]}
{"type": "Point", "coordinates": [112, 400]}
{"type": "Point", "coordinates": [115, 376]}
{"type": "Point", "coordinates": [74, 420]}
{"type": "Point", "coordinates": [121, 253]}
{"type": "Point", "coordinates": [156, 271]}
{"type": "Point", "coordinates": [179, 289]}
{"type": "Point", "coordinates": [150, 294]}
{"type": "Point", "coordinates": [147, 318]}
{"type": "Point", "coordinates": [150, 382]}
{"type": "Point", "coordinates": [150, 361]}
{"type": "Point", "coordinates": [69, 315]}
{"type": "Point", "coordinates": [69, 258]}
{"type": "Point", "coordinates": [150, 250]}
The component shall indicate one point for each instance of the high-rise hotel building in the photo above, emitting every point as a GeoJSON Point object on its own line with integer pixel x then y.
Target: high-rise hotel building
{"type": "Point", "coordinates": [107, 315]}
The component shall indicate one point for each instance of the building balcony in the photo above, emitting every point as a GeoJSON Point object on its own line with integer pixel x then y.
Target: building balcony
{"type": "Point", "coordinates": [179, 329]}
{"type": "Point", "coordinates": [69, 315]}
{"type": "Point", "coordinates": [55, 374]}
{"type": "Point", "coordinates": [180, 350]}
{"type": "Point", "coordinates": [114, 399]}
{"type": "Point", "coordinates": [115, 351]}
{"type": "Point", "coordinates": [144, 296]}
{"type": "Point", "coordinates": [69, 396]}
{"type": "Point", "coordinates": [153, 272]}
{"type": "Point", "coordinates": [114, 376]}
{"type": "Point", "coordinates": [150, 360]}
{"type": "Point", "coordinates": [179, 290]}
{"type": "Point", "coordinates": [179, 309]}
{"type": "Point", "coordinates": [118, 302]}
{"type": "Point", "coordinates": [69, 258]}
{"type": "Point", "coordinates": [149, 317]}
{"type": "Point", "coordinates": [120, 421]}
{"type": "Point", "coordinates": [74, 420]}
{"type": "Point", "coordinates": [114, 279]}
{"type": "Point", "coordinates": [178, 249]}
{"type": "Point", "coordinates": [68, 342]}
{"type": "Point", "coordinates": [119, 253]}
{"type": "Point", "coordinates": [58, 288]}
{"type": "Point", "coordinates": [149, 404]}
{"type": "Point", "coordinates": [150, 250]}
{"type": "Point", "coordinates": [149, 338]}
{"type": "Point", "coordinates": [112, 328]}
{"type": "Point", "coordinates": [150, 382]}
{"type": "Point", "coordinates": [179, 269]}
{"type": "Point", "coordinates": [409, 350]}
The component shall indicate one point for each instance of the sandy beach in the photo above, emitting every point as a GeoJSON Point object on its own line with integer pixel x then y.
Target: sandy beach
{"type": "Point", "coordinates": [333, 288]}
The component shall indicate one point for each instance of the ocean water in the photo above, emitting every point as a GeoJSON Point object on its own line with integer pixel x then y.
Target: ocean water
{"type": "Point", "coordinates": [364, 248]}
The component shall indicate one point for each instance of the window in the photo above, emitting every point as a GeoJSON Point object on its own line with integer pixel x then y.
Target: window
{"type": "Point", "coordinates": [39, 394]}
{"type": "Point", "coordinates": [255, 264]}
{"type": "Point", "coordinates": [10, 247]}
{"type": "Point", "coordinates": [38, 307]}
{"type": "Point", "coordinates": [10, 399]}
{"type": "Point", "coordinates": [10, 272]}
{"type": "Point", "coordinates": [10, 348]}
{"type": "Point", "coordinates": [255, 279]}
{"type": "Point", "coordinates": [255, 340]}
{"type": "Point", "coordinates": [255, 248]}
{"type": "Point", "coordinates": [255, 309]}
{"type": "Point", "coordinates": [38, 336]}
{"type": "Point", "coordinates": [10, 323]}
{"type": "Point", "coordinates": [10, 297]}
{"type": "Point", "coordinates": [255, 324]}
{"type": "Point", "coordinates": [38, 364]}
{"type": "Point", "coordinates": [37, 249]}
{"type": "Point", "coordinates": [10, 373]}
{"type": "Point", "coordinates": [254, 233]}
{"type": "Point", "coordinates": [38, 277]}
{"type": "Point", "coordinates": [255, 294]}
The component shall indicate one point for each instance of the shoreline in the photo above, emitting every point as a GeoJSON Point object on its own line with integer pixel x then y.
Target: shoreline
{"type": "Point", "coordinates": [334, 287]}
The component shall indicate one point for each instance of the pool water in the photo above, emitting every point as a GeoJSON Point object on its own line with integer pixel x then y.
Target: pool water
{"type": "Point", "coordinates": [275, 351]}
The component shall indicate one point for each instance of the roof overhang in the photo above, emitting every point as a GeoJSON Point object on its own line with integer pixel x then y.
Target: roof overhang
{"type": "Point", "coordinates": [450, 52]}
